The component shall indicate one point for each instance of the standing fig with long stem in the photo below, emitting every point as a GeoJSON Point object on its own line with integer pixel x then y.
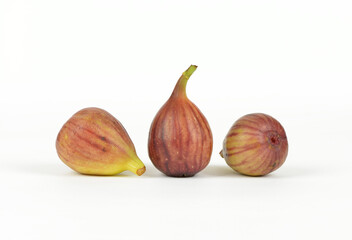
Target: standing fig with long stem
{"type": "Point", "coordinates": [180, 140]}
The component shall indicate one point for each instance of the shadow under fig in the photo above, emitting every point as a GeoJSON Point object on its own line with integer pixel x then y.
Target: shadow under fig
{"type": "Point", "coordinates": [283, 172]}
{"type": "Point", "coordinates": [55, 169]}
{"type": "Point", "coordinates": [219, 171]}
{"type": "Point", "coordinates": [34, 167]}
{"type": "Point", "coordinates": [297, 171]}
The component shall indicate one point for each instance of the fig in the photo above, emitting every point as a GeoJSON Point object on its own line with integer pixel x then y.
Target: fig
{"type": "Point", "coordinates": [94, 142]}
{"type": "Point", "coordinates": [255, 145]}
{"type": "Point", "coordinates": [180, 141]}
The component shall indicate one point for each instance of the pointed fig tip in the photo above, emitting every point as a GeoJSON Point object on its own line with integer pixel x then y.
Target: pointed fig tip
{"type": "Point", "coordinates": [221, 154]}
{"type": "Point", "coordinates": [140, 171]}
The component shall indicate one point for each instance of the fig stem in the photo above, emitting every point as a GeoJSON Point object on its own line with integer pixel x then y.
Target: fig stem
{"type": "Point", "coordinates": [180, 88]}
{"type": "Point", "coordinates": [140, 171]}
{"type": "Point", "coordinates": [221, 153]}
{"type": "Point", "coordinates": [136, 166]}
{"type": "Point", "coordinates": [188, 73]}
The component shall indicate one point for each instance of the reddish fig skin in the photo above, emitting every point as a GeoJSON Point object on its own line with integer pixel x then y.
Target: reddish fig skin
{"type": "Point", "coordinates": [94, 142]}
{"type": "Point", "coordinates": [180, 140]}
{"type": "Point", "coordinates": [255, 145]}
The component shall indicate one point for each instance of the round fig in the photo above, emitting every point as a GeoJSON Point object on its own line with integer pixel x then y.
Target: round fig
{"type": "Point", "coordinates": [255, 145]}
{"type": "Point", "coordinates": [180, 140]}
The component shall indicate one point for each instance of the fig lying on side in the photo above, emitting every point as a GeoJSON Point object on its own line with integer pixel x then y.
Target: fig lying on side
{"type": "Point", "coordinates": [180, 140]}
{"type": "Point", "coordinates": [93, 142]}
{"type": "Point", "coordinates": [255, 145]}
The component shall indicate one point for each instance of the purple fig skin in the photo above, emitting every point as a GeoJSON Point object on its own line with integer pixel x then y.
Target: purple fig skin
{"type": "Point", "coordinates": [255, 145]}
{"type": "Point", "coordinates": [180, 140]}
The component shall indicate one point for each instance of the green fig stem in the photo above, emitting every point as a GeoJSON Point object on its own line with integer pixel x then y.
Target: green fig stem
{"type": "Point", "coordinates": [136, 166]}
{"type": "Point", "coordinates": [180, 88]}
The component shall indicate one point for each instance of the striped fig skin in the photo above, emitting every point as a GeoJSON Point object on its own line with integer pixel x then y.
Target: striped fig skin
{"type": "Point", "coordinates": [255, 145]}
{"type": "Point", "coordinates": [180, 140]}
{"type": "Point", "coordinates": [94, 142]}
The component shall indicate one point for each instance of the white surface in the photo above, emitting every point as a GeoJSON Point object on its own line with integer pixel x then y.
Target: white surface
{"type": "Point", "coordinates": [289, 59]}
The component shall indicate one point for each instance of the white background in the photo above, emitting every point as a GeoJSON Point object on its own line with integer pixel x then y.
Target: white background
{"type": "Point", "coordinates": [289, 59]}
